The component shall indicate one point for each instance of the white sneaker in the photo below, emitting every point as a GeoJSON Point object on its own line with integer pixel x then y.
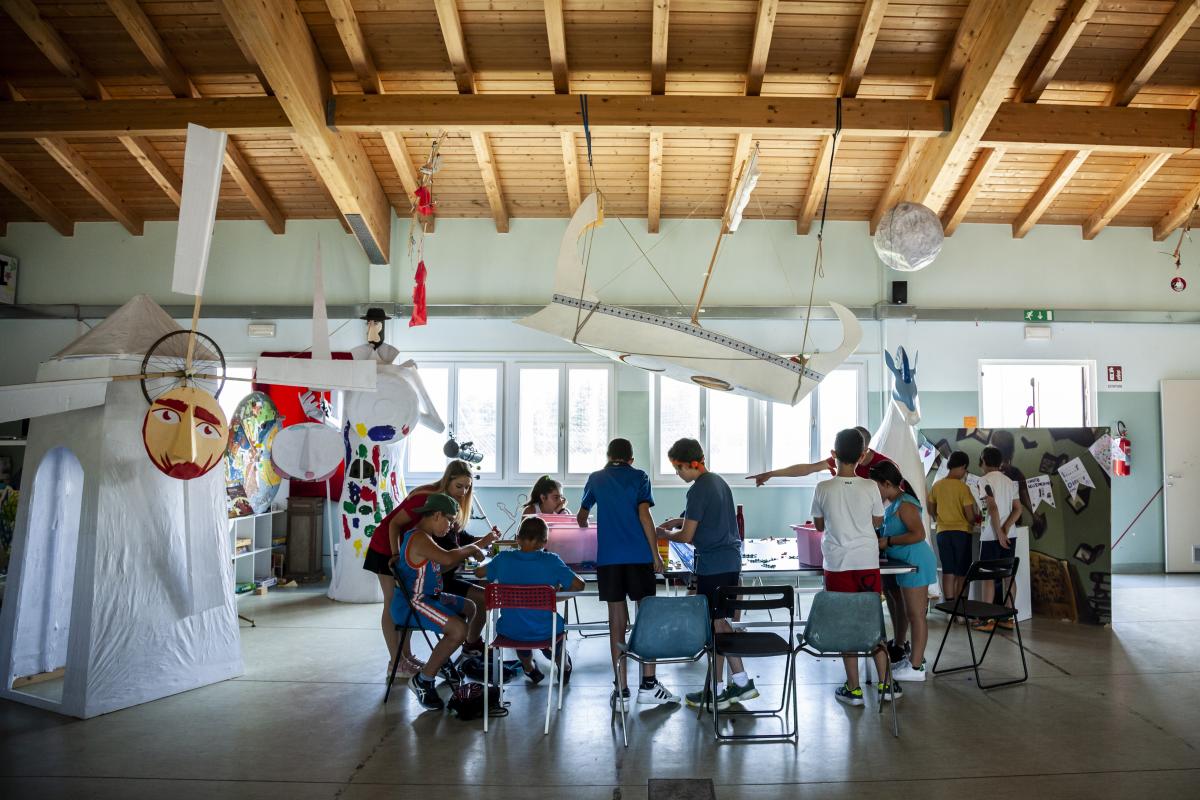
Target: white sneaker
{"type": "Point", "coordinates": [905, 671]}
{"type": "Point", "coordinates": [657, 695]}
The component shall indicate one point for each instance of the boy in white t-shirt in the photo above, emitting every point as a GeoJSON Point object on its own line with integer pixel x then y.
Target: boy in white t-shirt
{"type": "Point", "coordinates": [847, 510]}
{"type": "Point", "coordinates": [1003, 511]}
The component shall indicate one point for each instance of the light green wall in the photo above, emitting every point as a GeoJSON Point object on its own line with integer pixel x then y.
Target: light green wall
{"type": "Point", "coordinates": [1142, 548]}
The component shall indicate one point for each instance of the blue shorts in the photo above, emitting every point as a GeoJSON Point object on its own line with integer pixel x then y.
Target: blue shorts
{"type": "Point", "coordinates": [429, 613]}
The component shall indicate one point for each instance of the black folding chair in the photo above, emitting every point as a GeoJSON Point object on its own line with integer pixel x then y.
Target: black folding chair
{"type": "Point", "coordinates": [1001, 569]}
{"type": "Point", "coordinates": [411, 623]}
{"type": "Point", "coordinates": [746, 644]}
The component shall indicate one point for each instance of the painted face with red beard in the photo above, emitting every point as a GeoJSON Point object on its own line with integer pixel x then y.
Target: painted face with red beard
{"type": "Point", "coordinates": [185, 433]}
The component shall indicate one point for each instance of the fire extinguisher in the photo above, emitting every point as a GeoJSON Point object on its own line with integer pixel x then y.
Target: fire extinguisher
{"type": "Point", "coordinates": [1121, 447]}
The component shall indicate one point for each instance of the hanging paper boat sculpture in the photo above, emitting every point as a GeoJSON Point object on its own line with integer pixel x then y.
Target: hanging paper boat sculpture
{"type": "Point", "coordinates": [673, 346]}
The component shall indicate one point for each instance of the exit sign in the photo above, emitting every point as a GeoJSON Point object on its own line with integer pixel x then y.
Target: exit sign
{"type": "Point", "coordinates": [1039, 315]}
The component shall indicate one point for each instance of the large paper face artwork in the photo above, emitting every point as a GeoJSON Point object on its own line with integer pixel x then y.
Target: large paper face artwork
{"type": "Point", "coordinates": [185, 432]}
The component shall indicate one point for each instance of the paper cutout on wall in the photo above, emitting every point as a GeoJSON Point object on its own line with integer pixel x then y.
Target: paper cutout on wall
{"type": "Point", "coordinates": [1102, 451]}
{"type": "Point", "coordinates": [248, 460]}
{"type": "Point", "coordinates": [1040, 491]}
{"type": "Point", "coordinates": [975, 484]}
{"type": "Point", "coordinates": [1074, 473]}
{"type": "Point", "coordinates": [184, 432]}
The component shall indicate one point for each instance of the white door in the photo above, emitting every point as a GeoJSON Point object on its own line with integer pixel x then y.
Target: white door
{"type": "Point", "coordinates": [1181, 471]}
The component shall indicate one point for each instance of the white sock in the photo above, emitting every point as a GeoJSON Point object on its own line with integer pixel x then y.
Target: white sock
{"type": "Point", "coordinates": [740, 679]}
{"type": "Point", "coordinates": [720, 687]}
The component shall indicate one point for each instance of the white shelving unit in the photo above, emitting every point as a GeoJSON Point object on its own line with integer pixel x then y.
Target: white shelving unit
{"type": "Point", "coordinates": [253, 560]}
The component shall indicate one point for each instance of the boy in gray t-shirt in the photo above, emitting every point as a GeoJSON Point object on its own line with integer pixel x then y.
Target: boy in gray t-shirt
{"type": "Point", "coordinates": [709, 523]}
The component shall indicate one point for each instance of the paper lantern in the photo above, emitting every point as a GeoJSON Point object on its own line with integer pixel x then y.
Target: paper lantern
{"type": "Point", "coordinates": [184, 432]}
{"type": "Point", "coordinates": [909, 237]}
{"type": "Point", "coordinates": [309, 451]}
{"type": "Point", "coordinates": [387, 414]}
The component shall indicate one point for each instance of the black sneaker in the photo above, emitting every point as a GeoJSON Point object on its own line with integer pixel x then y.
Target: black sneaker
{"type": "Point", "coordinates": [450, 673]}
{"type": "Point", "coordinates": [472, 649]}
{"type": "Point", "coordinates": [567, 667]}
{"type": "Point", "coordinates": [426, 693]}
{"type": "Point", "coordinates": [623, 694]}
{"type": "Point", "coordinates": [895, 651]}
{"type": "Point", "coordinates": [534, 675]}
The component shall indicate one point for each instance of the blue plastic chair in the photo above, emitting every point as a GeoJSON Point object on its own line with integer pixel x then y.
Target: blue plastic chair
{"type": "Point", "coordinates": [668, 630]}
{"type": "Point", "coordinates": [847, 624]}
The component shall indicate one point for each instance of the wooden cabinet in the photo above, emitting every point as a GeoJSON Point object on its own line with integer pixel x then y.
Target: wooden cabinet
{"type": "Point", "coordinates": [305, 530]}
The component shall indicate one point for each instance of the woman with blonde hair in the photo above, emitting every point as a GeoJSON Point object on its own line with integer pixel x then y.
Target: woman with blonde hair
{"type": "Point", "coordinates": [458, 482]}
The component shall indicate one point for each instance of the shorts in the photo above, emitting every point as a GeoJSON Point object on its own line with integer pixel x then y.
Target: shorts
{"type": "Point", "coordinates": [707, 585]}
{"type": "Point", "coordinates": [617, 582]}
{"type": "Point", "coordinates": [376, 562]}
{"type": "Point", "coordinates": [954, 549]}
{"type": "Point", "coordinates": [431, 613]}
{"type": "Point", "coordinates": [453, 584]}
{"type": "Point", "coordinates": [853, 581]}
{"type": "Point", "coordinates": [990, 551]}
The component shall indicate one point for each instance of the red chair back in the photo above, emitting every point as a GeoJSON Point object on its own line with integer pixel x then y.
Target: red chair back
{"type": "Point", "coordinates": [534, 598]}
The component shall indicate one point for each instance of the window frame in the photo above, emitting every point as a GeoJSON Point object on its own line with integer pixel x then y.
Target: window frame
{"type": "Point", "coordinates": [1091, 406]}
{"type": "Point", "coordinates": [483, 478]}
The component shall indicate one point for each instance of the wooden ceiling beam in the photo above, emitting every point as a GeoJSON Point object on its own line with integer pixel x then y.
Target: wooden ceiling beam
{"type": "Point", "coordinates": [571, 169]}
{"type": "Point", "coordinates": [1120, 130]}
{"type": "Point", "coordinates": [86, 176]}
{"type": "Point", "coordinates": [1055, 51]}
{"type": "Point", "coordinates": [229, 14]}
{"type": "Point", "coordinates": [1150, 58]}
{"type": "Point", "coordinates": [1058, 178]}
{"type": "Point", "coordinates": [985, 163]}
{"type": "Point", "coordinates": [658, 46]}
{"type": "Point", "coordinates": [1178, 215]}
{"type": "Point", "coordinates": [105, 119]}
{"type": "Point", "coordinates": [312, 168]}
{"type": "Point", "coordinates": [1003, 46]}
{"type": "Point", "coordinates": [282, 44]}
{"type": "Point", "coordinates": [817, 178]}
{"type": "Point", "coordinates": [456, 44]}
{"type": "Point", "coordinates": [244, 176]}
{"type": "Point", "coordinates": [491, 180]}
{"type": "Point", "coordinates": [556, 35]}
{"type": "Point", "coordinates": [28, 194]}
{"type": "Point", "coordinates": [52, 46]}
{"type": "Point", "coordinates": [764, 29]}
{"type": "Point", "coordinates": [350, 32]}
{"type": "Point", "coordinates": [1120, 197]}
{"type": "Point", "coordinates": [654, 202]}
{"type": "Point", "coordinates": [155, 166]}
{"type": "Point", "coordinates": [402, 162]}
{"type": "Point", "coordinates": [864, 42]}
{"type": "Point", "coordinates": [135, 22]}
{"type": "Point", "coordinates": [741, 151]}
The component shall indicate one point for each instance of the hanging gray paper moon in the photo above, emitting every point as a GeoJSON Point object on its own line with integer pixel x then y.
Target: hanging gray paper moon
{"type": "Point", "coordinates": [909, 237]}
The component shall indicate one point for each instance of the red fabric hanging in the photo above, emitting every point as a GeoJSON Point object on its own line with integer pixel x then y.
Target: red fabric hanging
{"type": "Point", "coordinates": [419, 312]}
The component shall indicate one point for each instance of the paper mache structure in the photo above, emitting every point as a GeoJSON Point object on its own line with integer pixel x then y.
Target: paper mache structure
{"type": "Point", "coordinates": [897, 436]}
{"type": "Point", "coordinates": [119, 573]}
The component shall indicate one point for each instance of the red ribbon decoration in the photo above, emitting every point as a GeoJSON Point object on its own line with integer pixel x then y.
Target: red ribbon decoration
{"type": "Point", "coordinates": [419, 316]}
{"type": "Point", "coordinates": [424, 199]}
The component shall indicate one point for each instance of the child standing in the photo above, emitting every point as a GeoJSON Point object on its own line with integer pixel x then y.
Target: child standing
{"type": "Point", "coordinates": [626, 556]}
{"type": "Point", "coordinates": [531, 565]}
{"type": "Point", "coordinates": [953, 509]}
{"type": "Point", "coordinates": [709, 523]}
{"type": "Point", "coordinates": [1003, 511]}
{"type": "Point", "coordinates": [847, 510]}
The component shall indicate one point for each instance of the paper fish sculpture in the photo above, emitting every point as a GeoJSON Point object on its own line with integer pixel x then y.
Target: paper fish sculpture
{"type": "Point", "coordinates": [185, 432]}
{"type": "Point", "coordinates": [673, 346]}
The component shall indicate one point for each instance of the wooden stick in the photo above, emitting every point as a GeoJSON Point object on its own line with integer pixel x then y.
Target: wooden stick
{"type": "Point", "coordinates": [187, 364]}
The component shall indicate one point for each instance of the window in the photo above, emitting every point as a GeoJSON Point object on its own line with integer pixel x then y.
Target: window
{"type": "Point", "coordinates": [1058, 392]}
{"type": "Point", "coordinates": [234, 391]}
{"type": "Point", "coordinates": [563, 420]}
{"type": "Point", "coordinates": [742, 436]}
{"type": "Point", "coordinates": [468, 397]}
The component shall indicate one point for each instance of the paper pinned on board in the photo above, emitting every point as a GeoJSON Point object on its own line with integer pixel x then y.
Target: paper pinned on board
{"type": "Point", "coordinates": [1101, 450]}
{"type": "Point", "coordinates": [928, 453]}
{"type": "Point", "coordinates": [1040, 491]}
{"type": "Point", "coordinates": [976, 484]}
{"type": "Point", "coordinates": [203, 158]}
{"type": "Point", "coordinates": [1074, 473]}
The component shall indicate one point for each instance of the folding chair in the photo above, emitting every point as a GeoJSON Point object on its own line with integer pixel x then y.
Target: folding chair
{"type": "Point", "coordinates": [844, 624]}
{"type": "Point", "coordinates": [972, 610]}
{"type": "Point", "coordinates": [744, 644]}
{"type": "Point", "coordinates": [534, 598]}
{"type": "Point", "coordinates": [668, 630]}
{"type": "Point", "coordinates": [411, 623]}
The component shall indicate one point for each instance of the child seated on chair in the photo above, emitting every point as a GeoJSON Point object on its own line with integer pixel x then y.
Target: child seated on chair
{"type": "Point", "coordinates": [531, 565]}
{"type": "Point", "coordinates": [709, 523]}
{"type": "Point", "coordinates": [418, 568]}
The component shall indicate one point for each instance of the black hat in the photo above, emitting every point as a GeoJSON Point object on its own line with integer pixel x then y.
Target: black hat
{"type": "Point", "coordinates": [375, 315]}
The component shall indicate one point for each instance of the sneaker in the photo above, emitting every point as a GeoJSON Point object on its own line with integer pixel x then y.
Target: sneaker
{"type": "Point", "coordinates": [656, 695]}
{"type": "Point", "coordinates": [472, 649]}
{"type": "Point", "coordinates": [450, 673]}
{"type": "Point", "coordinates": [426, 693]}
{"type": "Point", "coordinates": [622, 699]}
{"type": "Point", "coordinates": [889, 691]}
{"type": "Point", "coordinates": [696, 699]}
{"type": "Point", "coordinates": [984, 626]}
{"type": "Point", "coordinates": [851, 697]}
{"type": "Point", "coordinates": [740, 694]}
{"type": "Point", "coordinates": [567, 667]}
{"type": "Point", "coordinates": [534, 675]}
{"type": "Point", "coordinates": [905, 671]}
{"type": "Point", "coordinates": [895, 651]}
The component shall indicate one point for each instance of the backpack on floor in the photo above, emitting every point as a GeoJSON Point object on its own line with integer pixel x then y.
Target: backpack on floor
{"type": "Point", "coordinates": [467, 699]}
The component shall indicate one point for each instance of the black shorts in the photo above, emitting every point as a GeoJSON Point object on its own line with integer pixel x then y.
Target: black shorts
{"type": "Point", "coordinates": [453, 584]}
{"type": "Point", "coordinates": [707, 585]}
{"type": "Point", "coordinates": [990, 551]}
{"type": "Point", "coordinates": [617, 582]}
{"type": "Point", "coordinates": [376, 562]}
{"type": "Point", "coordinates": [954, 549]}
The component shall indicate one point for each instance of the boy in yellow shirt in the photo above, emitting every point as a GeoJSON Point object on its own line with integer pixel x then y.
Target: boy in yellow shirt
{"type": "Point", "coordinates": [953, 508]}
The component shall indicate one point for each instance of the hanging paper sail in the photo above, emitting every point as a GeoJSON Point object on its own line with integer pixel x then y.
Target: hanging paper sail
{"type": "Point", "coordinates": [741, 194]}
{"type": "Point", "coordinates": [321, 371]}
{"type": "Point", "coordinates": [673, 346]}
{"type": "Point", "coordinates": [203, 157]}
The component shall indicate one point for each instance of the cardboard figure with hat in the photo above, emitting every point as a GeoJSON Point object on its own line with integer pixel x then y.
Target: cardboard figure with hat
{"type": "Point", "coordinates": [375, 347]}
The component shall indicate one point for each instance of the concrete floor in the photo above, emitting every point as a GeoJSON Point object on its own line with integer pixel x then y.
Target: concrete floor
{"type": "Point", "coordinates": [1106, 713]}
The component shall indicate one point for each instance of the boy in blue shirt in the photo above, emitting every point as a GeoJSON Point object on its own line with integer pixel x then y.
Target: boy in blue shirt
{"type": "Point", "coordinates": [709, 523]}
{"type": "Point", "coordinates": [531, 565]}
{"type": "Point", "coordinates": [626, 556]}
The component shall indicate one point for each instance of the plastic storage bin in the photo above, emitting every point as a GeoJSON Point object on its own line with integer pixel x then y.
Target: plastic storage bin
{"type": "Point", "coordinates": [808, 544]}
{"type": "Point", "coordinates": [573, 544]}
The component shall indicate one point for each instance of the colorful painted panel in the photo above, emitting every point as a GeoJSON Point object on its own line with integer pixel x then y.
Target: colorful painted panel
{"type": "Point", "coordinates": [248, 458]}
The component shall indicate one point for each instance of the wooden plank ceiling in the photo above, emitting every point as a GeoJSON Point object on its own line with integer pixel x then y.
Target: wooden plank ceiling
{"type": "Point", "coordinates": [998, 72]}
